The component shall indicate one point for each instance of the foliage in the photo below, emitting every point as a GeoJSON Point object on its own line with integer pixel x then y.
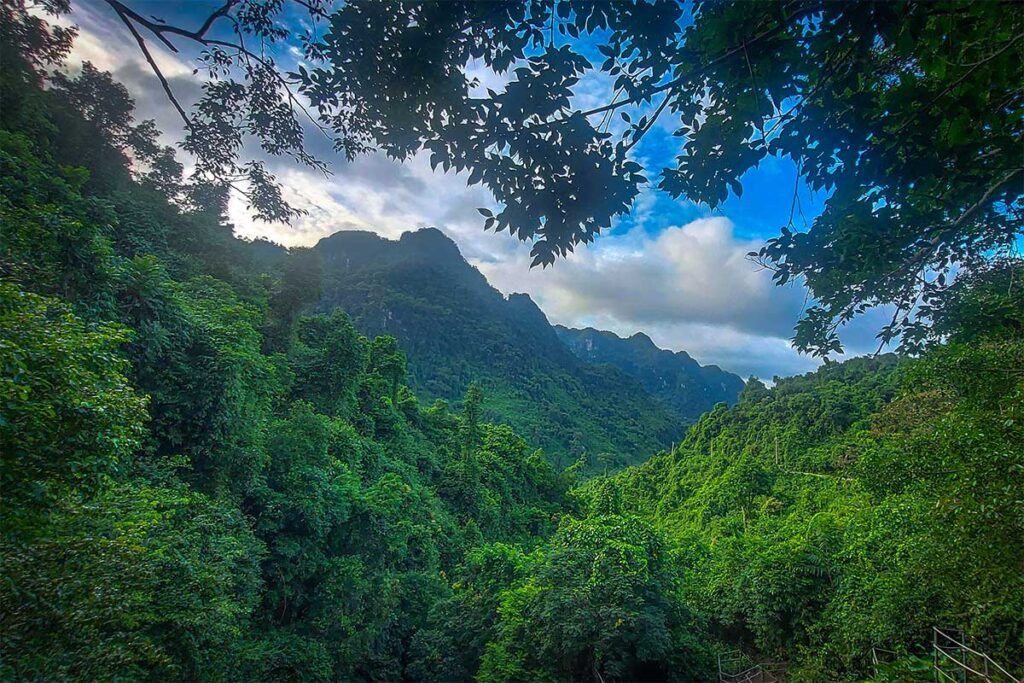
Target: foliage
{"type": "Point", "coordinates": [599, 602]}
{"type": "Point", "coordinates": [107, 573]}
{"type": "Point", "coordinates": [908, 115]}
{"type": "Point", "coordinates": [853, 507]}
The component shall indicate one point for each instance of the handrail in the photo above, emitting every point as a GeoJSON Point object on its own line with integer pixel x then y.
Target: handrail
{"type": "Point", "coordinates": [725, 659]}
{"type": "Point", "coordinates": [963, 665]}
{"type": "Point", "coordinates": [961, 645]}
{"type": "Point", "coordinates": [759, 673]}
{"type": "Point", "coordinates": [946, 650]}
{"type": "Point", "coordinates": [745, 676]}
{"type": "Point", "coordinates": [989, 662]}
{"type": "Point", "coordinates": [875, 661]}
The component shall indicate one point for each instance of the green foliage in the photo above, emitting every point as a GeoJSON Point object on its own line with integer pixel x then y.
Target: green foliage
{"type": "Point", "coordinates": [874, 104]}
{"type": "Point", "coordinates": [471, 403]}
{"type": "Point", "coordinates": [70, 418]}
{"type": "Point", "coordinates": [325, 358]}
{"type": "Point", "coordinates": [985, 304]}
{"type": "Point", "coordinates": [856, 506]}
{"type": "Point", "coordinates": [106, 574]}
{"type": "Point", "coordinates": [598, 602]}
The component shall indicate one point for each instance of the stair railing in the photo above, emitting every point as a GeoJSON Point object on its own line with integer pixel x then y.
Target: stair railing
{"type": "Point", "coordinates": [955, 661]}
{"type": "Point", "coordinates": [758, 672]}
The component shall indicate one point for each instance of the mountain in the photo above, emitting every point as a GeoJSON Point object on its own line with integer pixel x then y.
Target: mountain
{"type": "Point", "coordinates": [679, 381]}
{"type": "Point", "coordinates": [456, 328]}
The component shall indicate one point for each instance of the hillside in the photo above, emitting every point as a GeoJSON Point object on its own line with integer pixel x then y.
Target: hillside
{"type": "Point", "coordinates": [674, 378]}
{"type": "Point", "coordinates": [455, 328]}
{"type": "Point", "coordinates": [853, 507]}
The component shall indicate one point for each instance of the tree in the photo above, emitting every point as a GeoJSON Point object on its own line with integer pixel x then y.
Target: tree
{"type": "Point", "coordinates": [69, 413]}
{"type": "Point", "coordinates": [908, 114]}
{"type": "Point", "coordinates": [600, 603]}
{"type": "Point", "coordinates": [328, 357]}
{"type": "Point", "coordinates": [298, 288]}
{"type": "Point", "coordinates": [106, 575]}
{"type": "Point", "coordinates": [469, 429]}
{"type": "Point", "coordinates": [387, 362]}
{"type": "Point", "coordinates": [987, 303]}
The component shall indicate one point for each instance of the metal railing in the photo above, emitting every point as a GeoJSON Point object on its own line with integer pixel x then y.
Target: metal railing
{"type": "Point", "coordinates": [880, 656]}
{"type": "Point", "coordinates": [954, 661]}
{"type": "Point", "coordinates": [748, 671]}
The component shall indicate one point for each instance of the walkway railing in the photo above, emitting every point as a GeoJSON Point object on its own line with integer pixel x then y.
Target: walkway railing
{"type": "Point", "coordinates": [953, 661]}
{"type": "Point", "coordinates": [956, 662]}
{"type": "Point", "coordinates": [735, 667]}
{"type": "Point", "coordinates": [880, 656]}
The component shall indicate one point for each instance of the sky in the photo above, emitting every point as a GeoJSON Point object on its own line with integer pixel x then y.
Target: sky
{"type": "Point", "coordinates": [670, 268]}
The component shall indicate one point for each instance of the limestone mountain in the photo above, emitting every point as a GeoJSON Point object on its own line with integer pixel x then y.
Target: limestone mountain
{"type": "Point", "coordinates": [456, 328]}
{"type": "Point", "coordinates": [675, 378]}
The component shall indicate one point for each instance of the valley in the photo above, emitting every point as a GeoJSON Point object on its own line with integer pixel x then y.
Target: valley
{"type": "Point", "coordinates": [455, 328]}
{"type": "Point", "coordinates": [354, 459]}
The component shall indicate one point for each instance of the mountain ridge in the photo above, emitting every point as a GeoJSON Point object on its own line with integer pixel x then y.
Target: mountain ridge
{"type": "Point", "coordinates": [456, 328]}
{"type": "Point", "coordinates": [673, 377]}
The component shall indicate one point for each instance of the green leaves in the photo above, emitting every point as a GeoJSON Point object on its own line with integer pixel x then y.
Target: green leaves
{"type": "Point", "coordinates": [69, 412]}
{"type": "Point", "coordinates": [598, 601]}
{"type": "Point", "coordinates": [855, 506]}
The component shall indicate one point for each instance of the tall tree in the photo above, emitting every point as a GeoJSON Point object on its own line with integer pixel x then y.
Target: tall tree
{"type": "Point", "coordinates": [470, 427]}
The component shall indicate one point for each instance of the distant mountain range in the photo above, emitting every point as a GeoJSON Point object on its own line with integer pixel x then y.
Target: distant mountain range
{"type": "Point", "coordinates": [679, 381]}
{"type": "Point", "coordinates": [568, 391]}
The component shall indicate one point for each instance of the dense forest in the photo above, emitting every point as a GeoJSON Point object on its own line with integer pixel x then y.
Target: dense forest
{"type": "Point", "coordinates": [208, 473]}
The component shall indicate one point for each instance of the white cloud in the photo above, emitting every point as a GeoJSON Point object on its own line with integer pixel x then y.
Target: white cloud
{"type": "Point", "coordinates": [689, 287]}
{"type": "Point", "coordinates": [104, 41]}
{"type": "Point", "coordinates": [697, 273]}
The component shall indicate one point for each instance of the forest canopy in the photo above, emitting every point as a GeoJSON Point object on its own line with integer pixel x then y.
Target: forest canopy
{"type": "Point", "coordinates": [908, 115]}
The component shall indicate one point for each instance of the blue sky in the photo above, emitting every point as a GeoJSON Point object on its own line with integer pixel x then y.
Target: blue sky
{"type": "Point", "coordinates": [670, 268]}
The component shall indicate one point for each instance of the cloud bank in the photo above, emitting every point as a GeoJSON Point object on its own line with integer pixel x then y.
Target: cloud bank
{"type": "Point", "coordinates": [689, 287]}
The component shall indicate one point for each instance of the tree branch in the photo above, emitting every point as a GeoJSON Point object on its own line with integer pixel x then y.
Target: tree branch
{"type": "Point", "coordinates": [128, 16]}
{"type": "Point", "coordinates": [152, 62]}
{"type": "Point", "coordinates": [700, 71]}
{"type": "Point", "coordinates": [159, 29]}
{"type": "Point", "coordinates": [963, 77]}
{"type": "Point", "coordinates": [946, 233]}
{"type": "Point", "coordinates": [650, 123]}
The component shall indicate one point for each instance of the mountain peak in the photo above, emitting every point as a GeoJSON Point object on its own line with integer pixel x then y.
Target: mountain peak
{"type": "Point", "coordinates": [430, 243]}
{"type": "Point", "coordinates": [642, 339]}
{"type": "Point", "coordinates": [362, 250]}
